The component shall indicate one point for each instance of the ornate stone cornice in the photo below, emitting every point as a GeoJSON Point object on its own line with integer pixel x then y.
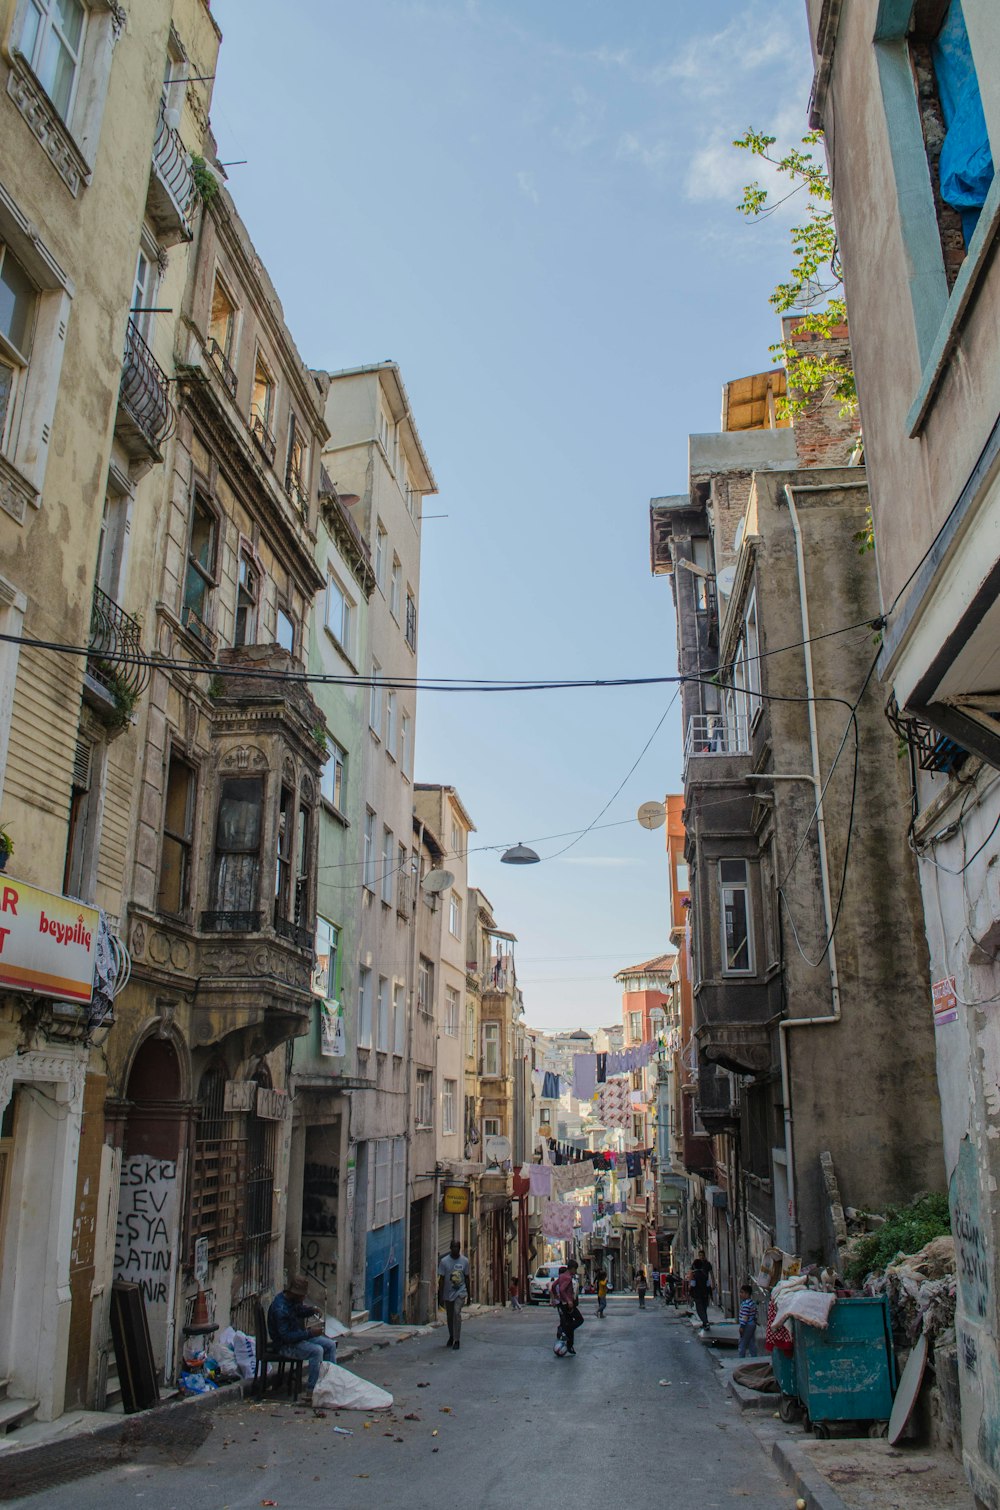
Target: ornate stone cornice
{"type": "Point", "coordinates": [46, 125]}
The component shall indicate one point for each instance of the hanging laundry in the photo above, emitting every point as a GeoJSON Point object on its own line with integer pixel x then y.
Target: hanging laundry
{"type": "Point", "coordinates": [633, 1164]}
{"type": "Point", "coordinates": [540, 1177]}
{"type": "Point", "coordinates": [602, 1068]}
{"type": "Point", "coordinates": [584, 1076]}
{"type": "Point", "coordinates": [557, 1221]}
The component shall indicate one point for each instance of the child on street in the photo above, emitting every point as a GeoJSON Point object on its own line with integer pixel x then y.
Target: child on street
{"type": "Point", "coordinates": [748, 1323]}
{"type": "Point", "coordinates": [602, 1293]}
{"type": "Point", "coordinates": [515, 1296]}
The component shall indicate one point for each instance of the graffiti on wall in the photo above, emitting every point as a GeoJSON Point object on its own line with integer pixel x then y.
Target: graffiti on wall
{"type": "Point", "coordinates": [320, 1197]}
{"type": "Point", "coordinates": [146, 1236]}
{"type": "Point", "coordinates": [972, 1246]}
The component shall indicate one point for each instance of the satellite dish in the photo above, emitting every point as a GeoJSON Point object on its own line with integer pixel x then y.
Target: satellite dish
{"type": "Point", "coordinates": [738, 537]}
{"type": "Point", "coordinates": [652, 814]}
{"type": "Point", "coordinates": [726, 580]}
{"type": "Point", "coordinates": [436, 881]}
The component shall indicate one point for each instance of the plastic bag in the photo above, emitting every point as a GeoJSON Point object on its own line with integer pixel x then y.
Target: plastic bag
{"type": "Point", "coordinates": [223, 1353]}
{"type": "Point", "coordinates": [245, 1352]}
{"type": "Point", "coordinates": [196, 1384]}
{"type": "Point", "coordinates": [339, 1389]}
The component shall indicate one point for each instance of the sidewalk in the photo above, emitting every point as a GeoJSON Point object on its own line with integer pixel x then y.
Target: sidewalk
{"type": "Point", "coordinates": [849, 1473]}
{"type": "Point", "coordinates": [46, 1453]}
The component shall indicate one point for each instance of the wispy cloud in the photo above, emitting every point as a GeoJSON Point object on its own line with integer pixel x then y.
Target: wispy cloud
{"type": "Point", "coordinates": [653, 153]}
{"type": "Point", "coordinates": [526, 184]}
{"type": "Point", "coordinates": [585, 125]}
{"type": "Point", "coordinates": [719, 171]}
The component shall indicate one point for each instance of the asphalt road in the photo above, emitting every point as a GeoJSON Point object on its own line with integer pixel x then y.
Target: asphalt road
{"type": "Point", "coordinates": [516, 1426]}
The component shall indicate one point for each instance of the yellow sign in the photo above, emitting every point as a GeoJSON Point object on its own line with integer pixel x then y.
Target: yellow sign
{"type": "Point", "coordinates": [455, 1200]}
{"type": "Point", "coordinates": [47, 942]}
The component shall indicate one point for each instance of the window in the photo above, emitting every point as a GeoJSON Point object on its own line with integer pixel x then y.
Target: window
{"type": "Point", "coordinates": [52, 42]}
{"type": "Point", "coordinates": [390, 723]}
{"type": "Point", "coordinates": [147, 278]}
{"type": "Point", "coordinates": [398, 1178]}
{"type": "Point", "coordinates": [449, 1100]}
{"type": "Point", "coordinates": [491, 1049]}
{"type": "Point", "coordinates": [451, 1007]}
{"type": "Point", "coordinates": [364, 1007]}
{"type": "Point", "coordinates": [637, 1129]}
{"type": "Point", "coordinates": [395, 588]}
{"type": "Point", "coordinates": [369, 855]}
{"type": "Point", "coordinates": [340, 614]}
{"type": "Point", "coordinates": [295, 466]}
{"type": "Point", "coordinates": [383, 1182]}
{"type": "Point", "coordinates": [398, 1020]}
{"type": "Point", "coordinates": [683, 876]}
{"type": "Point", "coordinates": [700, 557]}
{"type": "Point", "coordinates": [737, 951]}
{"type": "Point", "coordinates": [112, 547]}
{"type": "Point", "coordinates": [425, 1098]}
{"type": "Point", "coordinates": [411, 621]}
{"type": "Point", "coordinates": [18, 302]}
{"type": "Point", "coordinates": [404, 743]}
{"type": "Point", "coordinates": [470, 1031]}
{"type": "Point", "coordinates": [375, 700]}
{"type": "Point", "coordinates": [388, 868]}
{"type": "Point", "coordinates": [262, 407]}
{"type": "Point", "coordinates": [455, 916]}
{"type": "Point", "coordinates": [333, 781]}
{"type": "Point", "coordinates": [79, 871]}
{"type": "Point", "coordinates": [222, 320]}
{"type": "Point", "coordinates": [200, 576]}
{"type": "Point", "coordinates": [237, 848]}
{"type": "Point", "coordinates": [491, 1128]}
{"type": "Point", "coordinates": [425, 986]}
{"type": "Point", "coordinates": [382, 1017]}
{"type": "Point", "coordinates": [247, 598]}
{"type": "Point", "coordinates": [385, 431]}
{"type": "Point", "coordinates": [324, 976]}
{"type": "Point", "coordinates": [381, 542]}
{"type": "Point", "coordinates": [635, 1027]}
{"type": "Point", "coordinates": [284, 630]}
{"type": "Point", "coordinates": [174, 891]}
{"type": "Point", "coordinates": [456, 840]}
{"type": "Point", "coordinates": [283, 863]}
{"type": "Point", "coordinates": [303, 867]}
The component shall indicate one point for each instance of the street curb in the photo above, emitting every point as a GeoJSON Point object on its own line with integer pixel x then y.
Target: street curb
{"type": "Point", "coordinates": [28, 1470]}
{"type": "Point", "coordinates": [750, 1399]}
{"type": "Point", "coordinates": [32, 1469]}
{"type": "Point", "coordinates": [811, 1486]}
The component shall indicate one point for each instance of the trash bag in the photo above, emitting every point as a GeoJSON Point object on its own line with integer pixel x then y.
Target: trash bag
{"type": "Point", "coordinates": [224, 1355]}
{"type": "Point", "coordinates": [245, 1351]}
{"type": "Point", "coordinates": [339, 1389]}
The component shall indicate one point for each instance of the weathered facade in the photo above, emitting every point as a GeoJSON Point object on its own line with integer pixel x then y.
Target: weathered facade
{"type": "Point", "coordinates": [790, 828]}
{"type": "Point", "coordinates": [923, 290]}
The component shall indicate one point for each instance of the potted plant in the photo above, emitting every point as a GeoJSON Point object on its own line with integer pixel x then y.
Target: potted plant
{"type": "Point", "coordinates": [6, 847]}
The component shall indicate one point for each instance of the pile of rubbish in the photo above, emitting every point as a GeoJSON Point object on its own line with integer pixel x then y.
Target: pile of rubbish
{"type": "Point", "coordinates": [921, 1290]}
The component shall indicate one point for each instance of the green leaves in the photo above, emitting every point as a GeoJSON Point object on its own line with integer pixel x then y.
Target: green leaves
{"type": "Point", "coordinates": [813, 288]}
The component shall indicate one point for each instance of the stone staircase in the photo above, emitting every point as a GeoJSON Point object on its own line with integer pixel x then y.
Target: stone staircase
{"type": "Point", "coordinates": [14, 1412]}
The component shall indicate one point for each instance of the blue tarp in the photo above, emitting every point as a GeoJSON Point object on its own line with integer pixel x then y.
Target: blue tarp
{"type": "Point", "coordinates": [966, 164]}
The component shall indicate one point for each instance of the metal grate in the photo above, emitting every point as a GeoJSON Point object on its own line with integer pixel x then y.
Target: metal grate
{"type": "Point", "coordinates": [258, 1183]}
{"type": "Point", "coordinates": [217, 1171]}
{"type": "Point", "coordinates": [934, 751]}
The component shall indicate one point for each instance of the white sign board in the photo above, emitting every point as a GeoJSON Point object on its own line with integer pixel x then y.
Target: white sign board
{"type": "Point", "coordinates": [47, 942]}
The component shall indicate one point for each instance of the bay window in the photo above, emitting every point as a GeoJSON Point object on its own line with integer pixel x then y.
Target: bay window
{"type": "Point", "coordinates": [236, 866]}
{"type": "Point", "coordinates": [736, 917]}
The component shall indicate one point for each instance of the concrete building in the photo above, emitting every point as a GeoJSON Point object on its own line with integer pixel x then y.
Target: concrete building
{"type": "Point", "coordinates": [923, 288]}
{"type": "Point", "coordinates": [790, 827]}
{"type": "Point", "coordinates": [377, 464]}
{"type": "Point", "coordinates": [646, 999]}
{"type": "Point", "coordinates": [97, 197]}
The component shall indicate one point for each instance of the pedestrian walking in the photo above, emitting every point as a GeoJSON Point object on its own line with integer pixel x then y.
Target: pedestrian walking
{"type": "Point", "coordinates": [296, 1327]}
{"type": "Point", "coordinates": [453, 1290]}
{"type": "Point", "coordinates": [570, 1317]}
{"type": "Point", "coordinates": [602, 1293]}
{"type": "Point", "coordinates": [672, 1288]}
{"type": "Point", "coordinates": [515, 1296]}
{"type": "Point", "coordinates": [700, 1285]}
{"type": "Point", "coordinates": [640, 1285]}
{"type": "Point", "coordinates": [748, 1323]}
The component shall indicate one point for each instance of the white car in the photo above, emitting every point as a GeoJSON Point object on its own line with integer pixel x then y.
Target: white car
{"type": "Point", "coordinates": [538, 1285]}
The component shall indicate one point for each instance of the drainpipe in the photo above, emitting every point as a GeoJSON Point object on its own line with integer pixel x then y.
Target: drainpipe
{"type": "Point", "coordinates": [833, 1016]}
{"type": "Point", "coordinates": [410, 1072]}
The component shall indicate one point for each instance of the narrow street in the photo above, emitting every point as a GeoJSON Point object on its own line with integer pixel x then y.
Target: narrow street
{"type": "Point", "coordinates": [515, 1426]}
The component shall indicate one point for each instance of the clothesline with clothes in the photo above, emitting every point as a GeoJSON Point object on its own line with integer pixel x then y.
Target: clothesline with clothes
{"type": "Point", "coordinates": [593, 1070]}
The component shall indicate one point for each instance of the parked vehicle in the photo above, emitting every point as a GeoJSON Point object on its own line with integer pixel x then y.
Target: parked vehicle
{"type": "Point", "coordinates": [538, 1286]}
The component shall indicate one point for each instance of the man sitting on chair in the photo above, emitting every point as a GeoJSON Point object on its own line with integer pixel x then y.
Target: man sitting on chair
{"type": "Point", "coordinates": [294, 1327]}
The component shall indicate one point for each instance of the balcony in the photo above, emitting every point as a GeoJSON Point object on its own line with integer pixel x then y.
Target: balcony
{"type": "Point", "coordinates": [220, 362]}
{"type": "Point", "coordinates": [117, 670]}
{"type": "Point", "coordinates": [265, 441]}
{"type": "Point", "coordinates": [145, 416]}
{"type": "Point", "coordinates": [717, 1106]}
{"type": "Point", "coordinates": [711, 734]}
{"type": "Point", "coordinates": [231, 922]}
{"type": "Point", "coordinates": [195, 625]}
{"type": "Point", "coordinates": [293, 933]}
{"type": "Point", "coordinates": [171, 194]}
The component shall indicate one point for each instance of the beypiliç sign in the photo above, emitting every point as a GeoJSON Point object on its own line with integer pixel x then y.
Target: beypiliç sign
{"type": "Point", "coordinates": [47, 942]}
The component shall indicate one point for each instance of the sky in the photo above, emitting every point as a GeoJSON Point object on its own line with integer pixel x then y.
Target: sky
{"type": "Point", "coordinates": [530, 205]}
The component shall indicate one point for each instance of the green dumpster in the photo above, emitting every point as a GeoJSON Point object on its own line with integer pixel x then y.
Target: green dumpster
{"type": "Point", "coordinates": [848, 1371]}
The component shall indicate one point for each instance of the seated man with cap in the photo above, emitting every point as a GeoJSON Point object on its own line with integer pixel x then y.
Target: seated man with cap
{"type": "Point", "coordinates": [294, 1327]}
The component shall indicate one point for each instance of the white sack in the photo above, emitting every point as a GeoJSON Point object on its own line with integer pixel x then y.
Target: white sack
{"type": "Point", "coordinates": [338, 1389]}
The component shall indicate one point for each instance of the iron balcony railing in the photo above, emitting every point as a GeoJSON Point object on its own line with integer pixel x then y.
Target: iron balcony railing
{"type": "Point", "coordinates": [713, 734]}
{"type": "Point", "coordinates": [230, 922]}
{"type": "Point", "coordinates": [199, 629]}
{"type": "Point", "coordinates": [115, 658]}
{"type": "Point", "coordinates": [216, 354]}
{"type": "Point", "coordinates": [172, 163]}
{"type": "Point", "coordinates": [261, 434]}
{"type": "Point", "coordinates": [303, 938]}
{"type": "Point", "coordinates": [145, 390]}
{"type": "Point", "coordinates": [298, 497]}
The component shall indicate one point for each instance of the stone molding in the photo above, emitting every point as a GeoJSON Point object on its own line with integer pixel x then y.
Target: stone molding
{"type": "Point", "coordinates": [46, 125]}
{"type": "Point", "coordinates": [63, 1069]}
